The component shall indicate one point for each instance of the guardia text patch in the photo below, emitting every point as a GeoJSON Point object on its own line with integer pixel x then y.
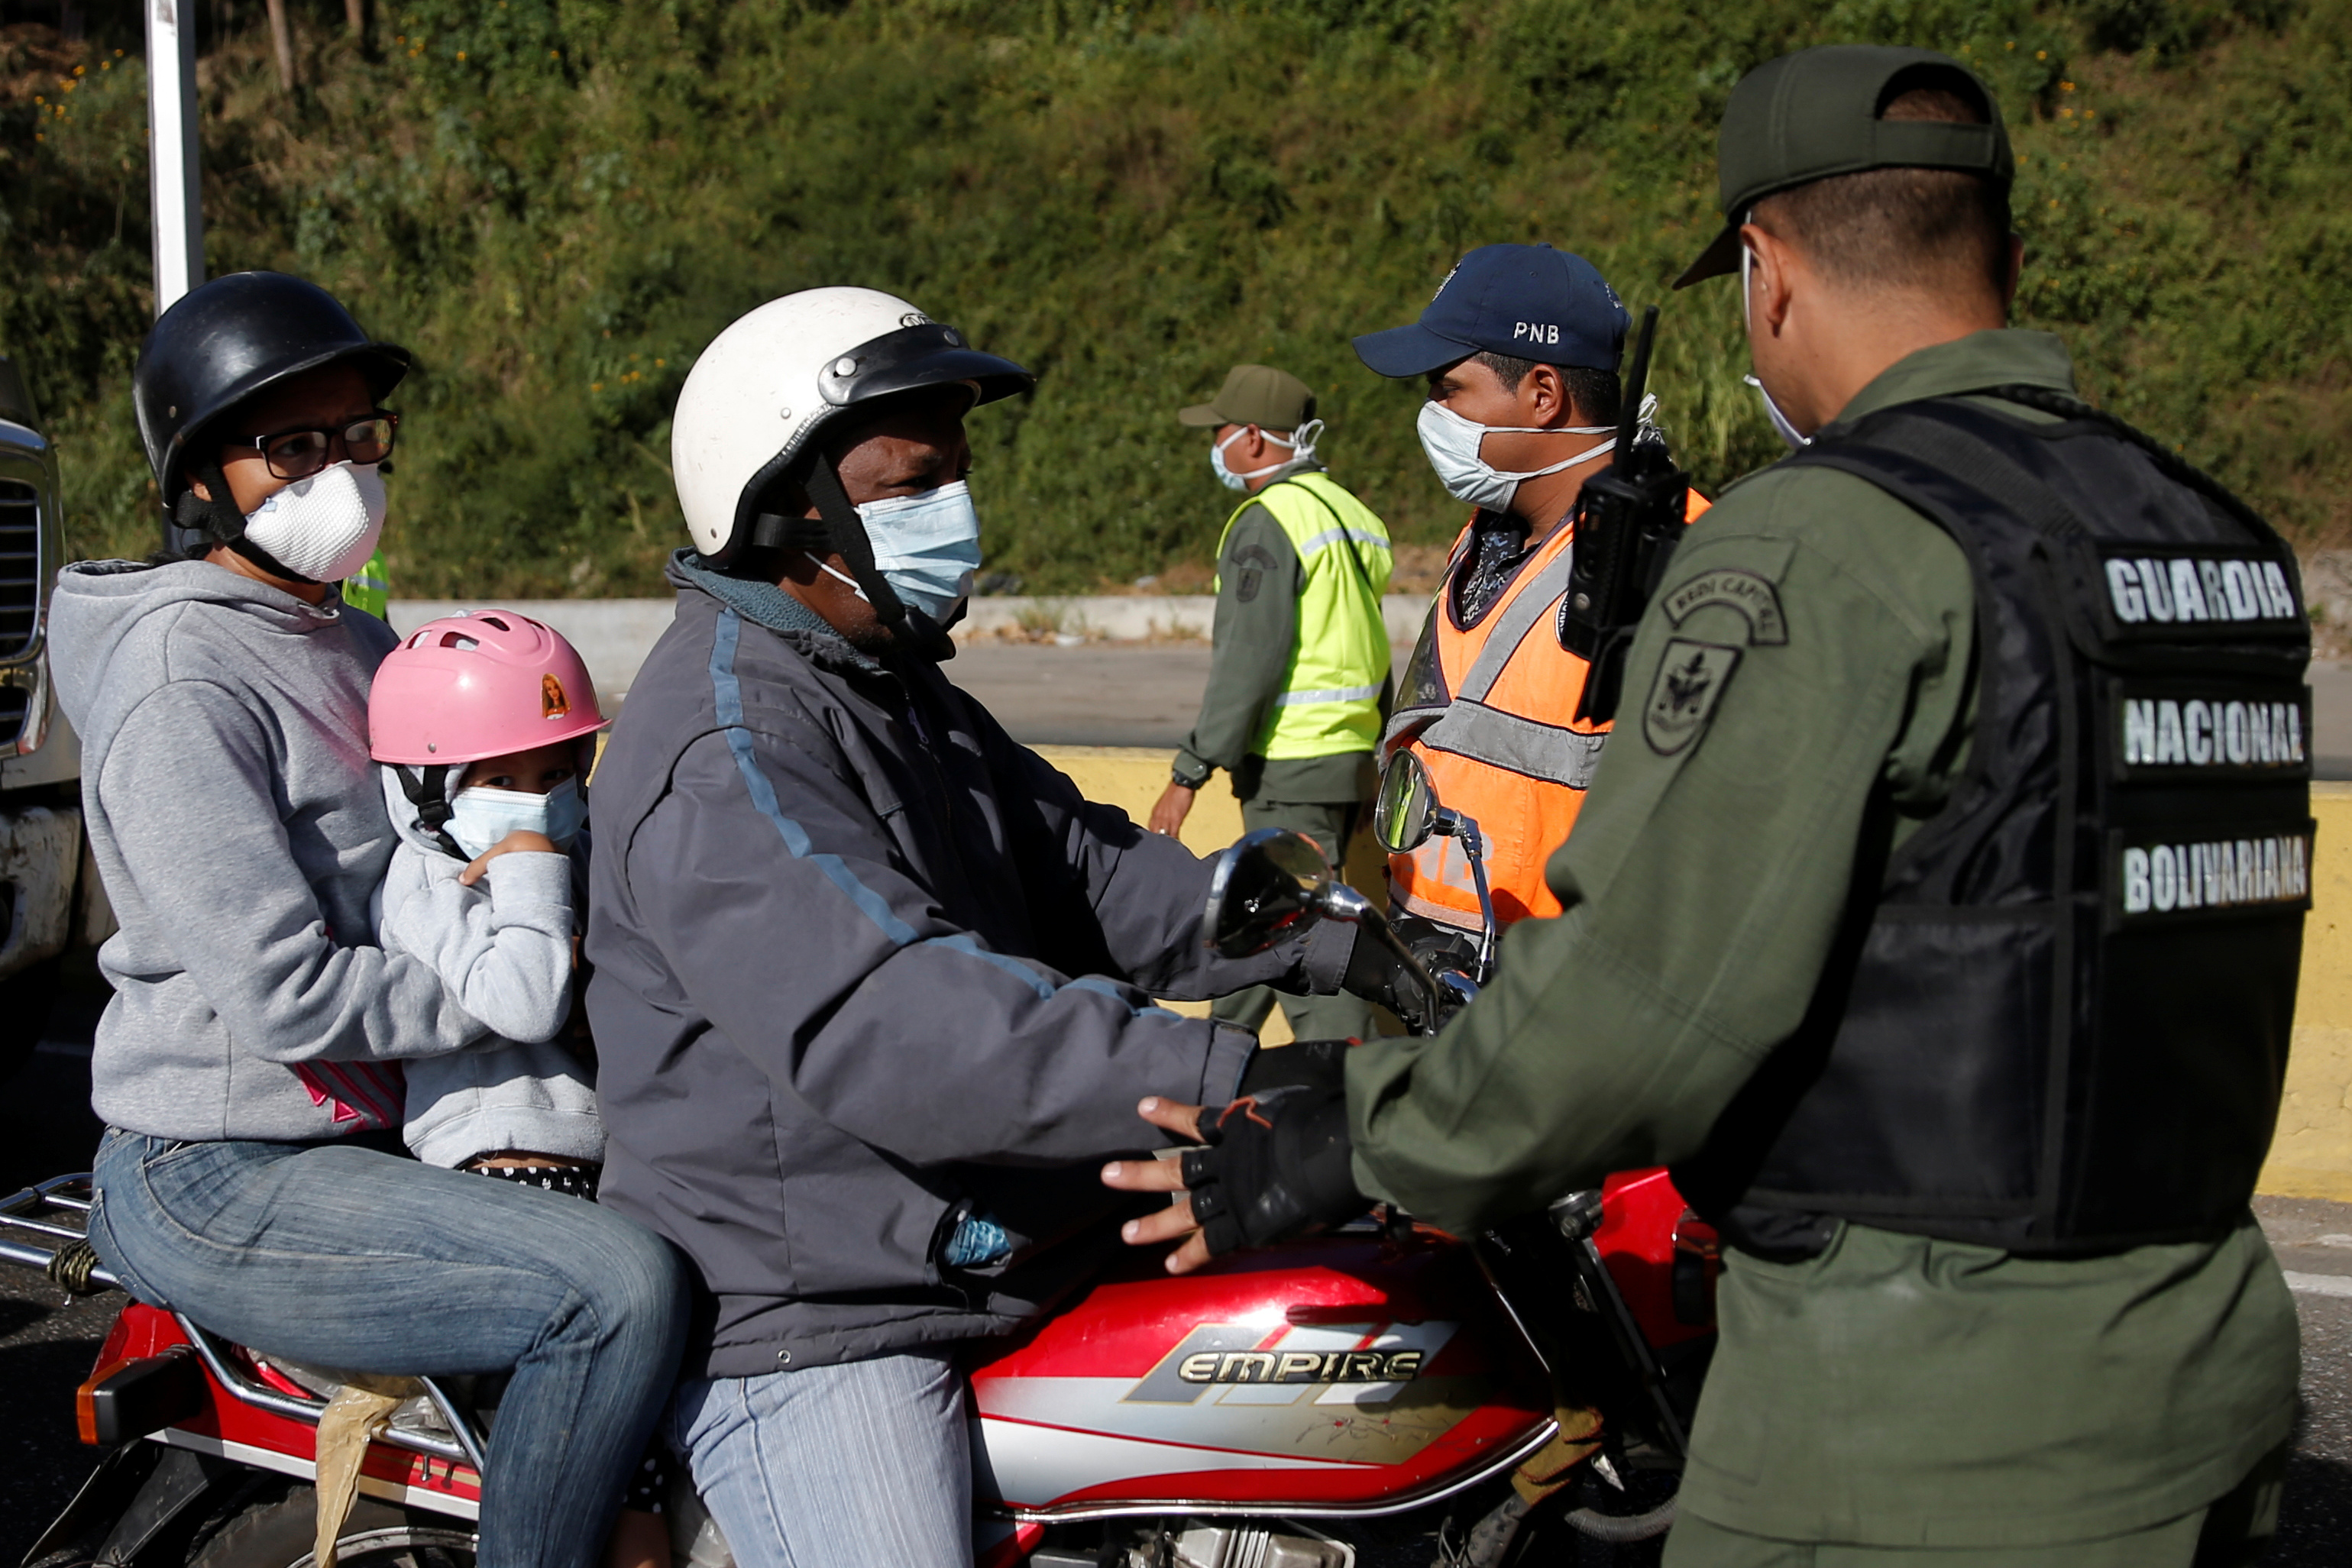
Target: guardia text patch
{"type": "Point", "coordinates": [1691, 677]}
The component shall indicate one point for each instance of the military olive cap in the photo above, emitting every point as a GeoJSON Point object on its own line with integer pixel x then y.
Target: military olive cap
{"type": "Point", "coordinates": [1254, 394]}
{"type": "Point", "coordinates": [1815, 113]}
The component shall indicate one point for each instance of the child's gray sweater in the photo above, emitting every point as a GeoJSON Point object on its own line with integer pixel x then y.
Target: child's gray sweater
{"type": "Point", "coordinates": [503, 947]}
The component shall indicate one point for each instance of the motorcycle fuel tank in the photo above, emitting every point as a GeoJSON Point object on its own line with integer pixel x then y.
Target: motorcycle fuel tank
{"type": "Point", "coordinates": [1346, 1373]}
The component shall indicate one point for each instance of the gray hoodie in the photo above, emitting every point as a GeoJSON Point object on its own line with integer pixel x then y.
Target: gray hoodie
{"type": "Point", "coordinates": [504, 946]}
{"type": "Point", "coordinates": [236, 822]}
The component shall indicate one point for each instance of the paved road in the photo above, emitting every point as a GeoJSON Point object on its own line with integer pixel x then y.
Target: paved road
{"type": "Point", "coordinates": [1098, 694]}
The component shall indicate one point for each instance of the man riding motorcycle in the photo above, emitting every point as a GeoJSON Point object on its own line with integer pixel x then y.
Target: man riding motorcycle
{"type": "Point", "coordinates": [867, 971]}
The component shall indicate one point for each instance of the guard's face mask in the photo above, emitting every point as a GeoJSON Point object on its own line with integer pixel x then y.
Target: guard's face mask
{"type": "Point", "coordinates": [1301, 447]}
{"type": "Point", "coordinates": [324, 527]}
{"type": "Point", "coordinates": [481, 816]}
{"type": "Point", "coordinates": [1453, 442]}
{"type": "Point", "coordinates": [1787, 432]}
{"type": "Point", "coordinates": [925, 546]}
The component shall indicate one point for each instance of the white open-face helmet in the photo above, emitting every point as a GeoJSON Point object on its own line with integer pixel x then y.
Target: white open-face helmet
{"type": "Point", "coordinates": [751, 408]}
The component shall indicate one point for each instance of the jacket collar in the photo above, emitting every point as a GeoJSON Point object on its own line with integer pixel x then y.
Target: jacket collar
{"type": "Point", "coordinates": [765, 604]}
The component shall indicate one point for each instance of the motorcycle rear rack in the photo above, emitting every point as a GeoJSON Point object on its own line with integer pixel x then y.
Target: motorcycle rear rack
{"type": "Point", "coordinates": [41, 1221]}
{"type": "Point", "coordinates": [38, 1222]}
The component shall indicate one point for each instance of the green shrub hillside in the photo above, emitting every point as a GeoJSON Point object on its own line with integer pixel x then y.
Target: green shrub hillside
{"type": "Point", "coordinates": [556, 202]}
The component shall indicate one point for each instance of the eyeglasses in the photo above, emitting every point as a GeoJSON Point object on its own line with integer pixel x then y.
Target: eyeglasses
{"type": "Point", "coordinates": [298, 453]}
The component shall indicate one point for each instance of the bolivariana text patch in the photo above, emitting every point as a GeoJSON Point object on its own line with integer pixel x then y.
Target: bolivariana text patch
{"type": "Point", "coordinates": [2220, 873]}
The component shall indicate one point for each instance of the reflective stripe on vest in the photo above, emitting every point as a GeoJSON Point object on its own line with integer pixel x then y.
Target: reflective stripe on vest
{"type": "Point", "coordinates": [1489, 718]}
{"type": "Point", "coordinates": [1330, 701]}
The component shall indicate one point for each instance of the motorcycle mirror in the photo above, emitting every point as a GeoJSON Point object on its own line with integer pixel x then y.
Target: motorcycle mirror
{"type": "Point", "coordinates": [1269, 886]}
{"type": "Point", "coordinates": [1406, 814]}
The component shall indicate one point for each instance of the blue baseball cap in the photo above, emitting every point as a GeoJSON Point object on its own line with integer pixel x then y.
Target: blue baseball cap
{"type": "Point", "coordinates": [1529, 302]}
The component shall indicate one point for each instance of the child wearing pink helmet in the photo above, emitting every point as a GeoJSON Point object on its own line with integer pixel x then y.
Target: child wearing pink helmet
{"type": "Point", "coordinates": [485, 724]}
{"type": "Point", "coordinates": [485, 727]}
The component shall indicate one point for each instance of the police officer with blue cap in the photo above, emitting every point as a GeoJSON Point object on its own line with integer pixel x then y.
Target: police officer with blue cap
{"type": "Point", "coordinates": [1520, 348]}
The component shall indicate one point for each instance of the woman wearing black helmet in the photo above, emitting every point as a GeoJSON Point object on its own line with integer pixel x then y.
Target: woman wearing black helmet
{"type": "Point", "coordinates": [248, 1067]}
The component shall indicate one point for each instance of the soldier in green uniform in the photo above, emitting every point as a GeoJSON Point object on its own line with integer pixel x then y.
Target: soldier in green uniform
{"type": "Point", "coordinates": [1935, 914]}
{"type": "Point", "coordinates": [1298, 686]}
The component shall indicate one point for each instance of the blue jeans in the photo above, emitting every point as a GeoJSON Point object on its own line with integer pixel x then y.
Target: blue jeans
{"type": "Point", "coordinates": [345, 1257]}
{"type": "Point", "coordinates": [866, 1461]}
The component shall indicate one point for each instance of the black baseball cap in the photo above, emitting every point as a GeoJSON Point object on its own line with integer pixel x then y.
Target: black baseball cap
{"type": "Point", "coordinates": [1529, 302]}
{"type": "Point", "coordinates": [1815, 113]}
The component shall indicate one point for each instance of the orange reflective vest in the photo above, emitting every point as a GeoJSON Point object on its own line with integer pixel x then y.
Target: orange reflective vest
{"type": "Point", "coordinates": [1487, 708]}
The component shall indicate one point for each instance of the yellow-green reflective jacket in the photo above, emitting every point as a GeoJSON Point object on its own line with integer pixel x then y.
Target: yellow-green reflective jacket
{"type": "Point", "coordinates": [369, 587]}
{"type": "Point", "coordinates": [1330, 700]}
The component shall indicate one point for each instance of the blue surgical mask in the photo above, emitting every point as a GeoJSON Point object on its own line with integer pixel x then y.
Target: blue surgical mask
{"type": "Point", "coordinates": [927, 547]}
{"type": "Point", "coordinates": [481, 816]}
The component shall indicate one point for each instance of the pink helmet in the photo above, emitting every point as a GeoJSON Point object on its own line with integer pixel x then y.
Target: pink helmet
{"type": "Point", "coordinates": [484, 683]}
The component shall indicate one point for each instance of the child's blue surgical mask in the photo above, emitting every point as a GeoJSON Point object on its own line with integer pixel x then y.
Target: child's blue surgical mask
{"type": "Point", "coordinates": [481, 816]}
{"type": "Point", "coordinates": [927, 547]}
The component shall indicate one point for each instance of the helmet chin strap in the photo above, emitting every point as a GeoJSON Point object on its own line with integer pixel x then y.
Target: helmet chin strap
{"type": "Point", "coordinates": [427, 790]}
{"type": "Point", "coordinates": [219, 521]}
{"type": "Point", "coordinates": [846, 532]}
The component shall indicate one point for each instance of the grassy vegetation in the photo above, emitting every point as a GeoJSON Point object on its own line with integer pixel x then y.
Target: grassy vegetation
{"type": "Point", "coordinates": [556, 202]}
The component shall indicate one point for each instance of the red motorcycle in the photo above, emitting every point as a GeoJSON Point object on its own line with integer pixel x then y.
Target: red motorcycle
{"type": "Point", "coordinates": [1317, 1405]}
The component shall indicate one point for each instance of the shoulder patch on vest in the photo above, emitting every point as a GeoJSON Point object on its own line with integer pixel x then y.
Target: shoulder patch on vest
{"type": "Point", "coordinates": [1691, 677]}
{"type": "Point", "coordinates": [1736, 588]}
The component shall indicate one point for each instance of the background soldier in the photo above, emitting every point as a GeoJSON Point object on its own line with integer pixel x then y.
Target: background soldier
{"type": "Point", "coordinates": [1299, 682]}
{"type": "Point", "coordinates": [1923, 922]}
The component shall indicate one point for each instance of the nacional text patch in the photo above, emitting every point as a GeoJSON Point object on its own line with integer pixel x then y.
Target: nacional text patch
{"type": "Point", "coordinates": [2176, 731]}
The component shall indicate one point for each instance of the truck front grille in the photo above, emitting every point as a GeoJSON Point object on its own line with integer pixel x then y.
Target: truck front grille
{"type": "Point", "coordinates": [20, 573]}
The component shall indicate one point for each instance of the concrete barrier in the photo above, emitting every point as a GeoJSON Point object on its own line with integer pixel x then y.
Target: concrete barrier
{"type": "Point", "coordinates": [613, 636]}
{"type": "Point", "coordinates": [2312, 1154]}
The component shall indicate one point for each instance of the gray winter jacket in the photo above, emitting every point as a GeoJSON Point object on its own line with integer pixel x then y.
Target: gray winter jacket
{"type": "Point", "coordinates": [236, 822]}
{"type": "Point", "coordinates": [863, 966]}
{"type": "Point", "coordinates": [503, 946]}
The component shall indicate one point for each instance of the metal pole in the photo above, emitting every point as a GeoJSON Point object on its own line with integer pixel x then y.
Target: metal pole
{"type": "Point", "coordinates": [172, 165]}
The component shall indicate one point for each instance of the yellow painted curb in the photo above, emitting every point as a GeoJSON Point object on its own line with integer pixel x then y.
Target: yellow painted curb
{"type": "Point", "coordinates": [2310, 1157]}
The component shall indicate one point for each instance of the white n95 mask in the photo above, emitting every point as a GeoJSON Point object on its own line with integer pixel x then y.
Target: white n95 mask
{"type": "Point", "coordinates": [1301, 447]}
{"type": "Point", "coordinates": [324, 527]}
{"type": "Point", "coordinates": [925, 546]}
{"type": "Point", "coordinates": [481, 816]}
{"type": "Point", "coordinates": [1452, 443]}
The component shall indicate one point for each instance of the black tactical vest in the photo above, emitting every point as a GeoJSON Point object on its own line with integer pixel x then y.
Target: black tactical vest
{"type": "Point", "coordinates": [2058, 1019]}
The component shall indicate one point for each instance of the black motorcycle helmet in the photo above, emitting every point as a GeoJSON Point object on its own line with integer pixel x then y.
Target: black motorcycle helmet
{"type": "Point", "coordinates": [218, 346]}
